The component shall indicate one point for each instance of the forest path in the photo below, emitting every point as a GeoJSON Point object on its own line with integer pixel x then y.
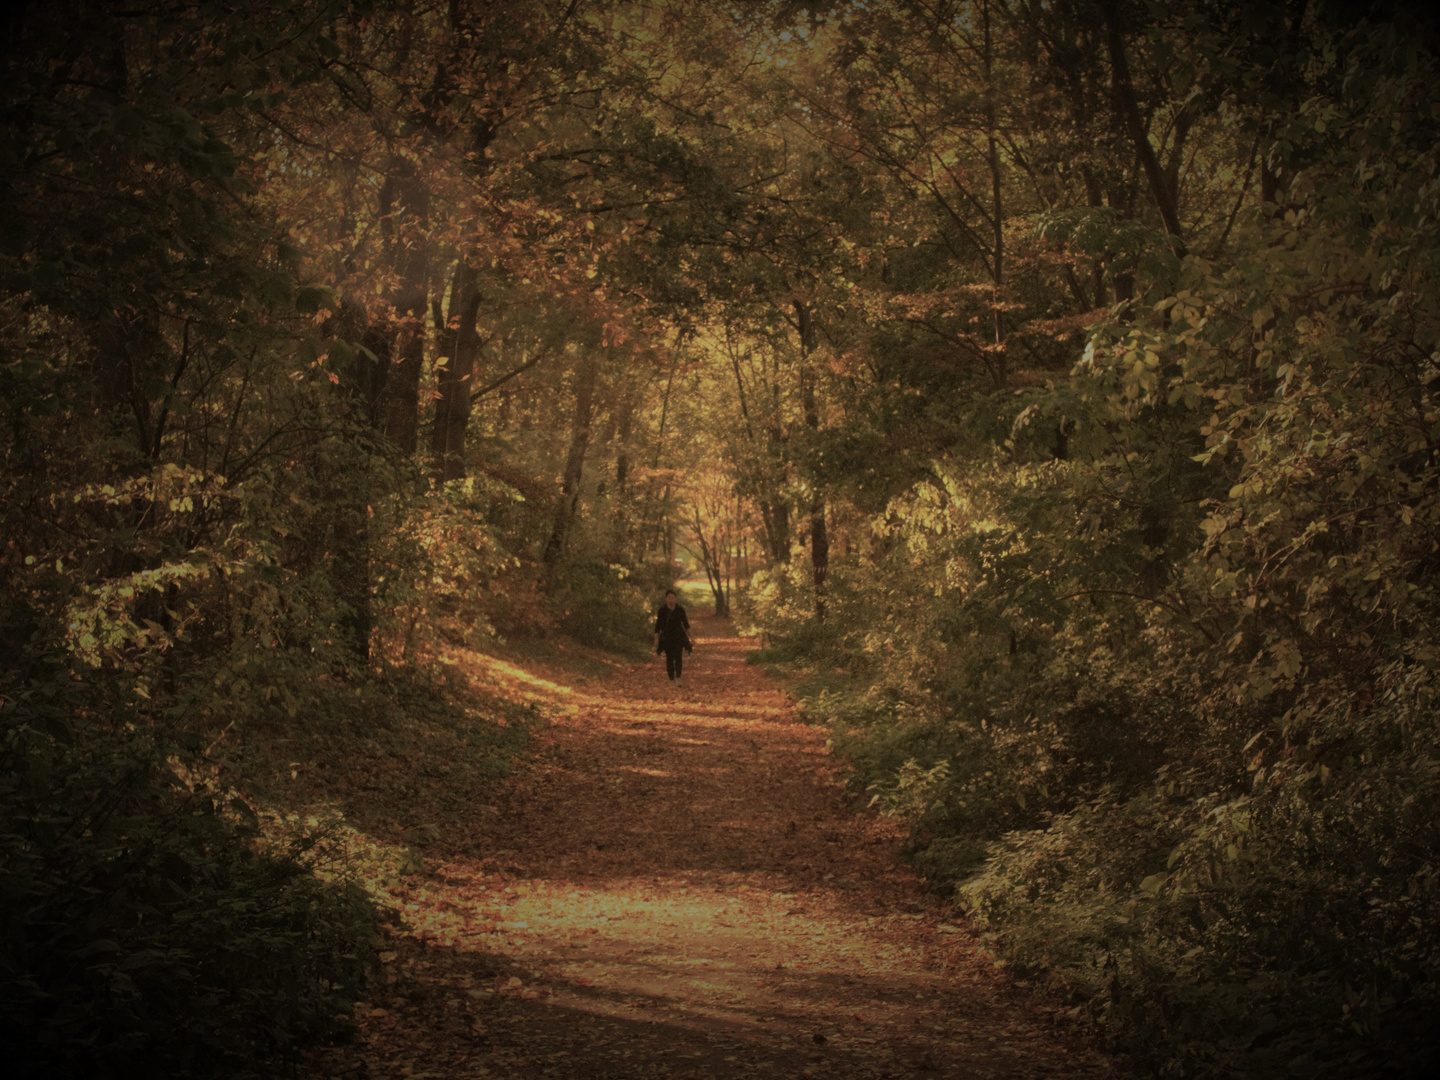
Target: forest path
{"type": "Point", "coordinates": [672, 886]}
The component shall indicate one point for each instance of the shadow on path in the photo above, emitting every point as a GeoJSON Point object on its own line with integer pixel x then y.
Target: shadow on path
{"type": "Point", "coordinates": [673, 886]}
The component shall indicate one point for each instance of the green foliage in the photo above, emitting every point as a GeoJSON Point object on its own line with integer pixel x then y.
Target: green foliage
{"type": "Point", "coordinates": [440, 562]}
{"type": "Point", "coordinates": [1140, 640]}
{"type": "Point", "coordinates": [144, 931]}
{"type": "Point", "coordinates": [1225, 927]}
{"type": "Point", "coordinates": [597, 604]}
{"type": "Point", "coordinates": [184, 499]}
{"type": "Point", "coordinates": [778, 603]}
{"type": "Point", "coordinates": [1157, 695]}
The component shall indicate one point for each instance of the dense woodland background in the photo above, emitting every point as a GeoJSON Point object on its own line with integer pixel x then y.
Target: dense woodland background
{"type": "Point", "coordinates": [1053, 382]}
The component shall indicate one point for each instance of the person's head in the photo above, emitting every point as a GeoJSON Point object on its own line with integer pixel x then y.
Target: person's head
{"type": "Point", "coordinates": [670, 598]}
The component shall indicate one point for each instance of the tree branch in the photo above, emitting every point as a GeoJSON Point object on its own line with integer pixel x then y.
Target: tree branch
{"type": "Point", "coordinates": [478, 394]}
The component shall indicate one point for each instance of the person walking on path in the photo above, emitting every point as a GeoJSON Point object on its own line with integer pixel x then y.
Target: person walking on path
{"type": "Point", "coordinates": [672, 636]}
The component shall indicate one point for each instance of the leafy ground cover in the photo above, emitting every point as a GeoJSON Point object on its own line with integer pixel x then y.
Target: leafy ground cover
{"type": "Point", "coordinates": [410, 760]}
{"type": "Point", "coordinates": [674, 885]}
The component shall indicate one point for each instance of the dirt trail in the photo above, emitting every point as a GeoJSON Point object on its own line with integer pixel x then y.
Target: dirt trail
{"type": "Point", "coordinates": [672, 886]}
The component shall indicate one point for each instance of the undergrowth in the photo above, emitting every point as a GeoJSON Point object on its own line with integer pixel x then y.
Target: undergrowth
{"type": "Point", "coordinates": [192, 891]}
{"type": "Point", "coordinates": [148, 928]}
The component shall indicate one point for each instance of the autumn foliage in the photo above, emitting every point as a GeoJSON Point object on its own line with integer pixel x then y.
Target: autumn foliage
{"type": "Point", "coordinates": [1052, 386]}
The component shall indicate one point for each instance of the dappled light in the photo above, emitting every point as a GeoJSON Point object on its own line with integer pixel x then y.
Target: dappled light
{"type": "Point", "coordinates": [677, 888]}
{"type": "Point", "coordinates": [635, 539]}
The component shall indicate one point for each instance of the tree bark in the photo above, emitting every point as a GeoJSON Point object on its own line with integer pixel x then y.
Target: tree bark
{"type": "Point", "coordinates": [712, 556]}
{"type": "Point", "coordinates": [405, 213]}
{"type": "Point", "coordinates": [347, 487]}
{"type": "Point", "coordinates": [819, 538]}
{"type": "Point", "coordinates": [775, 517]}
{"type": "Point", "coordinates": [350, 564]}
{"type": "Point", "coordinates": [402, 405]}
{"type": "Point", "coordinates": [774, 514]}
{"type": "Point", "coordinates": [568, 504]}
{"type": "Point", "coordinates": [1127, 109]}
{"type": "Point", "coordinates": [997, 215]}
{"type": "Point", "coordinates": [462, 340]}
{"type": "Point", "coordinates": [624, 425]}
{"type": "Point", "coordinates": [1094, 197]}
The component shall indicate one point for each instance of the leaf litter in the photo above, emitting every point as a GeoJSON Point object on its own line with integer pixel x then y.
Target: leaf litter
{"type": "Point", "coordinates": [672, 884]}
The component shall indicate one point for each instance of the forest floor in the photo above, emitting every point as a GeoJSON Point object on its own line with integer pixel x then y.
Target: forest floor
{"type": "Point", "coordinates": [672, 884]}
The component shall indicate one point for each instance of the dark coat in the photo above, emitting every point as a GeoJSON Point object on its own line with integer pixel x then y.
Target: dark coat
{"type": "Point", "coordinates": [673, 628]}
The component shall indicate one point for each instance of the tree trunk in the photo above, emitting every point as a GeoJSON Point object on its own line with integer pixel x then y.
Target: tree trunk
{"type": "Point", "coordinates": [819, 538]}
{"type": "Point", "coordinates": [346, 487]}
{"type": "Point", "coordinates": [462, 339]}
{"type": "Point", "coordinates": [1095, 197]}
{"type": "Point", "coordinates": [1127, 109]}
{"type": "Point", "coordinates": [569, 502]}
{"type": "Point", "coordinates": [402, 394]}
{"type": "Point", "coordinates": [405, 213]}
{"type": "Point", "coordinates": [997, 210]}
{"type": "Point", "coordinates": [713, 556]}
{"type": "Point", "coordinates": [624, 426]}
{"type": "Point", "coordinates": [775, 517]}
{"type": "Point", "coordinates": [819, 554]}
{"type": "Point", "coordinates": [654, 518]}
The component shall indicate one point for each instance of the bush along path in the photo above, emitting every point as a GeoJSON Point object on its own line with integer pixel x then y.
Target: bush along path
{"type": "Point", "coordinates": [672, 886]}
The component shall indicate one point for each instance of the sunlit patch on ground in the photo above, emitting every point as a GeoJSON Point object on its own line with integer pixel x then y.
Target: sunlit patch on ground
{"type": "Point", "coordinates": [672, 887]}
{"type": "Point", "coordinates": [510, 679]}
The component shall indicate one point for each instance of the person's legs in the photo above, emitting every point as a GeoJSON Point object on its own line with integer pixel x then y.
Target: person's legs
{"type": "Point", "coordinates": [674, 664]}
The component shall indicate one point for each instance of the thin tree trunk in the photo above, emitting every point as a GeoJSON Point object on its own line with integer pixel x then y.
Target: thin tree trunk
{"type": "Point", "coordinates": [997, 210]}
{"type": "Point", "coordinates": [405, 213]}
{"type": "Point", "coordinates": [1095, 197]}
{"type": "Point", "coordinates": [624, 427]}
{"type": "Point", "coordinates": [774, 516]}
{"type": "Point", "coordinates": [402, 396]}
{"type": "Point", "coordinates": [653, 523]}
{"type": "Point", "coordinates": [1127, 108]}
{"type": "Point", "coordinates": [664, 415]}
{"type": "Point", "coordinates": [569, 502]}
{"type": "Point", "coordinates": [452, 409]}
{"type": "Point", "coordinates": [345, 490]}
{"type": "Point", "coordinates": [819, 538]}
{"type": "Point", "coordinates": [712, 558]}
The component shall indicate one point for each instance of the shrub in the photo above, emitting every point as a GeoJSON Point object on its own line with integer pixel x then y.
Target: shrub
{"type": "Point", "coordinates": [144, 931]}
{"type": "Point", "coordinates": [597, 604]}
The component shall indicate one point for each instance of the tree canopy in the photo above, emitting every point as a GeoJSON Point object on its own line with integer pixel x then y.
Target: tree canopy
{"type": "Point", "coordinates": [1052, 383]}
